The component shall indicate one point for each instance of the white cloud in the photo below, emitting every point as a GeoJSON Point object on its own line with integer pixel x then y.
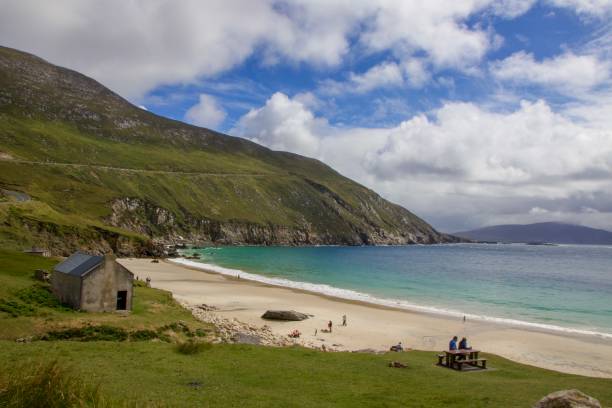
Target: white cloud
{"type": "Point", "coordinates": [567, 72]}
{"type": "Point", "coordinates": [462, 165]}
{"type": "Point", "coordinates": [512, 8]}
{"type": "Point", "coordinates": [206, 112]}
{"type": "Point", "coordinates": [283, 124]}
{"type": "Point", "coordinates": [416, 71]}
{"type": "Point", "coordinates": [435, 27]}
{"type": "Point", "coordinates": [382, 75]}
{"type": "Point", "coordinates": [538, 211]}
{"type": "Point", "coordinates": [136, 46]}
{"type": "Point", "coordinates": [412, 72]}
{"type": "Point", "coordinates": [598, 8]}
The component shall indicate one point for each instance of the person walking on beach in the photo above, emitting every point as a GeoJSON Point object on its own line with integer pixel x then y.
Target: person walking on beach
{"type": "Point", "coordinates": [329, 326]}
{"type": "Point", "coordinates": [344, 320]}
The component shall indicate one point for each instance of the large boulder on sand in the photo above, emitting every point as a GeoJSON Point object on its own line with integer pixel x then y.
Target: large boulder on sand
{"type": "Point", "coordinates": [290, 315]}
{"type": "Point", "coordinates": [567, 399]}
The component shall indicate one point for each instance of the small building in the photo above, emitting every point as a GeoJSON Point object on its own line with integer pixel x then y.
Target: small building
{"type": "Point", "coordinates": [93, 283]}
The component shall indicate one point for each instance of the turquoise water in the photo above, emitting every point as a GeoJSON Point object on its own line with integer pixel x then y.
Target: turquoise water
{"type": "Point", "coordinates": [556, 287]}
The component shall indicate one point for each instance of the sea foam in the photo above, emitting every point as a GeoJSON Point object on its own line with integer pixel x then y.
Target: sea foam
{"type": "Point", "coordinates": [348, 294]}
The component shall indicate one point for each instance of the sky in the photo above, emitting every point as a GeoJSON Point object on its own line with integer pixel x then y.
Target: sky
{"type": "Point", "coordinates": [466, 112]}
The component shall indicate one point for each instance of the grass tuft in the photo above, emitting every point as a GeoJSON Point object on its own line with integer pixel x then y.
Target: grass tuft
{"type": "Point", "coordinates": [47, 385]}
{"type": "Point", "coordinates": [192, 347]}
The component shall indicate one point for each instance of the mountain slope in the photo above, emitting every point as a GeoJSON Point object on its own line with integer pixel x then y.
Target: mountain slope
{"type": "Point", "coordinates": [551, 232]}
{"type": "Point", "coordinates": [95, 168]}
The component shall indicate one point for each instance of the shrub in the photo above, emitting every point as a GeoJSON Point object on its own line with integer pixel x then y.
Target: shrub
{"type": "Point", "coordinates": [192, 347]}
{"type": "Point", "coordinates": [88, 333]}
{"type": "Point", "coordinates": [28, 301]}
{"type": "Point", "coordinates": [40, 295]}
{"type": "Point", "coordinates": [143, 335]}
{"type": "Point", "coordinates": [200, 332]}
{"type": "Point", "coordinates": [47, 385]}
{"type": "Point", "coordinates": [16, 308]}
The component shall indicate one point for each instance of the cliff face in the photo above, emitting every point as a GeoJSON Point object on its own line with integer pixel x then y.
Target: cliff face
{"type": "Point", "coordinates": [150, 220]}
{"type": "Point", "coordinates": [89, 160]}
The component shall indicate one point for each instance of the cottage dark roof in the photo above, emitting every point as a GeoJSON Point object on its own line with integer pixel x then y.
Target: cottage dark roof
{"type": "Point", "coordinates": [79, 263]}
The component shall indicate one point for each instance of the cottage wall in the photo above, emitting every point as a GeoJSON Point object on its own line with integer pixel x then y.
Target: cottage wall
{"type": "Point", "coordinates": [100, 287]}
{"type": "Point", "coordinates": [67, 288]}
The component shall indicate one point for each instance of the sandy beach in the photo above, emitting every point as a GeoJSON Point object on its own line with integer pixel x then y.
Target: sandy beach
{"type": "Point", "coordinates": [370, 326]}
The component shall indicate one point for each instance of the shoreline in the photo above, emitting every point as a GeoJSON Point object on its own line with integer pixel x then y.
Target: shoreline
{"type": "Point", "coordinates": [393, 304]}
{"type": "Point", "coordinates": [372, 326]}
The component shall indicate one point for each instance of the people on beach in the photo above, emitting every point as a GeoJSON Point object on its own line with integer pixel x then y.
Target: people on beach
{"type": "Point", "coordinates": [453, 344]}
{"type": "Point", "coordinates": [316, 331]}
{"type": "Point", "coordinates": [463, 344]}
{"type": "Point", "coordinates": [397, 347]}
{"type": "Point", "coordinates": [464, 319]}
{"type": "Point", "coordinates": [344, 320]}
{"type": "Point", "coordinates": [329, 326]}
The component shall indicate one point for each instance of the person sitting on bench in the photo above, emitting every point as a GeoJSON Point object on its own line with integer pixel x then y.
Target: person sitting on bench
{"type": "Point", "coordinates": [453, 344]}
{"type": "Point", "coordinates": [397, 347]}
{"type": "Point", "coordinates": [463, 344]}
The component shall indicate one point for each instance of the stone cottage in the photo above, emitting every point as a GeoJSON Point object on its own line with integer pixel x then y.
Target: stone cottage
{"type": "Point", "coordinates": [93, 283]}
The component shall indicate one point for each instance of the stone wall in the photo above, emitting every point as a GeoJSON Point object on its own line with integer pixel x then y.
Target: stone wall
{"type": "Point", "coordinates": [67, 288]}
{"type": "Point", "coordinates": [100, 287]}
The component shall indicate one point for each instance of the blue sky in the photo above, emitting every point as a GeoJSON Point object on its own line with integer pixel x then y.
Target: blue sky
{"type": "Point", "coordinates": [468, 112]}
{"type": "Point", "coordinates": [544, 31]}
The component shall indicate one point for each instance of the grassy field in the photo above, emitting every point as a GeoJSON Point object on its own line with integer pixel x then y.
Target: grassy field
{"type": "Point", "coordinates": [140, 373]}
{"type": "Point", "coordinates": [240, 375]}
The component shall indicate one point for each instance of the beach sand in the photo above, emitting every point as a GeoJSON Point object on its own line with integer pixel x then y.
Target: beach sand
{"type": "Point", "coordinates": [371, 326]}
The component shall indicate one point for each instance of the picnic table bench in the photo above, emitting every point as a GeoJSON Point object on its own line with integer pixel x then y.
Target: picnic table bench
{"type": "Point", "coordinates": [457, 359]}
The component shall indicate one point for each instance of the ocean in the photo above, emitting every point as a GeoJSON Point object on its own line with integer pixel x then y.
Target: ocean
{"type": "Point", "coordinates": [566, 288]}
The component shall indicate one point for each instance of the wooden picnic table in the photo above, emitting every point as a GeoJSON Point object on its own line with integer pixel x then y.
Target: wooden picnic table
{"type": "Point", "coordinates": [457, 358]}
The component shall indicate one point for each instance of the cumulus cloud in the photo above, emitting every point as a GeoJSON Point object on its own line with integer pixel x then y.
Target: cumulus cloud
{"type": "Point", "coordinates": [566, 72]}
{"type": "Point", "coordinates": [383, 75]}
{"type": "Point", "coordinates": [134, 47]}
{"type": "Point", "coordinates": [473, 145]}
{"type": "Point", "coordinates": [207, 112]}
{"type": "Point", "coordinates": [461, 165]}
{"type": "Point", "coordinates": [283, 124]}
{"type": "Point", "coordinates": [413, 72]}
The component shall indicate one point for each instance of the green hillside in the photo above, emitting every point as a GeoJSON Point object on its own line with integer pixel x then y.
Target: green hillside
{"type": "Point", "coordinates": [80, 166]}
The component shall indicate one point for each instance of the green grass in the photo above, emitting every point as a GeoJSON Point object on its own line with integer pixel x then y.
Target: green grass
{"type": "Point", "coordinates": [254, 376]}
{"type": "Point", "coordinates": [192, 347]}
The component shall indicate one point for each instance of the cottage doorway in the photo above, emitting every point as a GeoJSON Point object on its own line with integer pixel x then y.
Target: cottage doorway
{"type": "Point", "coordinates": [122, 300]}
